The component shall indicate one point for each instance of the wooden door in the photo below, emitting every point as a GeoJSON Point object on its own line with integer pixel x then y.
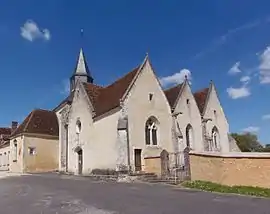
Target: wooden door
{"type": "Point", "coordinates": [80, 161]}
{"type": "Point", "coordinates": [138, 159]}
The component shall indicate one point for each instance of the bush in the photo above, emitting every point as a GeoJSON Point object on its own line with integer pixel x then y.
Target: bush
{"type": "Point", "coordinates": [214, 187]}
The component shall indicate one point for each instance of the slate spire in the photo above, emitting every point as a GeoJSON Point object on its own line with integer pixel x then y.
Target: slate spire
{"type": "Point", "coordinates": [81, 71]}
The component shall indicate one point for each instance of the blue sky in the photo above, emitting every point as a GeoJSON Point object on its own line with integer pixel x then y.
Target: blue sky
{"type": "Point", "coordinates": [225, 41]}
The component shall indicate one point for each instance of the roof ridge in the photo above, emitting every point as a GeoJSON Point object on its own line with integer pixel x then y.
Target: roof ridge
{"type": "Point", "coordinates": [122, 77]}
{"type": "Point", "coordinates": [27, 123]}
{"type": "Point", "coordinates": [40, 109]}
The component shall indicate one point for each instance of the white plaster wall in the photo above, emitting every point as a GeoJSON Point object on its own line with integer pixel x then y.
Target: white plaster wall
{"type": "Point", "coordinates": [190, 115]}
{"type": "Point", "coordinates": [103, 151]}
{"type": "Point", "coordinates": [4, 158]}
{"type": "Point", "coordinates": [79, 110]}
{"type": "Point", "coordinates": [97, 138]}
{"type": "Point", "coordinates": [140, 108]}
{"type": "Point", "coordinates": [219, 120]}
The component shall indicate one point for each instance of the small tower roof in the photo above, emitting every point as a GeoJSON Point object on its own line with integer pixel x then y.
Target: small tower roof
{"type": "Point", "coordinates": [82, 67]}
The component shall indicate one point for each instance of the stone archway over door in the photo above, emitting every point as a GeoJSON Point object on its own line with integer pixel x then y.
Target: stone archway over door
{"type": "Point", "coordinates": [164, 160]}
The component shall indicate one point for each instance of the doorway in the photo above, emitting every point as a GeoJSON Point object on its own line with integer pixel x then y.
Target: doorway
{"type": "Point", "coordinates": [138, 159]}
{"type": "Point", "coordinates": [80, 161]}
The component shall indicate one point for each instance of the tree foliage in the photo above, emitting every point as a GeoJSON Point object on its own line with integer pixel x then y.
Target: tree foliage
{"type": "Point", "coordinates": [248, 142]}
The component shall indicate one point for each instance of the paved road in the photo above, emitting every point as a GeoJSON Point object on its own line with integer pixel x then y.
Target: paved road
{"type": "Point", "coordinates": [52, 194]}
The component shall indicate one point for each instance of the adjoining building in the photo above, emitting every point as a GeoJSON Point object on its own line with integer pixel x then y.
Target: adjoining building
{"type": "Point", "coordinates": [34, 144]}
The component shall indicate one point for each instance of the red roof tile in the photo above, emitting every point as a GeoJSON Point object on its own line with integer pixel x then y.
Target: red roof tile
{"type": "Point", "coordinates": [93, 91]}
{"type": "Point", "coordinates": [172, 94]}
{"type": "Point", "coordinates": [39, 121]}
{"type": "Point", "coordinates": [200, 97]}
{"type": "Point", "coordinates": [107, 98]}
{"type": "Point", "coordinates": [5, 131]}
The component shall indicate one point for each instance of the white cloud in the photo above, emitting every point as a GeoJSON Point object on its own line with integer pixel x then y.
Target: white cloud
{"type": "Point", "coordinates": [264, 66]}
{"type": "Point", "coordinates": [245, 79]}
{"type": "Point", "coordinates": [30, 31]}
{"type": "Point", "coordinates": [235, 69]}
{"type": "Point", "coordinates": [266, 117]}
{"type": "Point", "coordinates": [65, 87]}
{"type": "Point", "coordinates": [251, 129]}
{"type": "Point", "coordinates": [215, 44]}
{"type": "Point", "coordinates": [236, 93]}
{"type": "Point", "coordinates": [176, 78]}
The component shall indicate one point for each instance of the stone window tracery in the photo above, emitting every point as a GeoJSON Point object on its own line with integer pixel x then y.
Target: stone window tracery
{"type": "Point", "coordinates": [189, 136]}
{"type": "Point", "coordinates": [151, 132]}
{"type": "Point", "coordinates": [215, 137]}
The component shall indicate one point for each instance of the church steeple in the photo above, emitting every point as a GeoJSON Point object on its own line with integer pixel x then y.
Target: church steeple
{"type": "Point", "coordinates": [81, 72]}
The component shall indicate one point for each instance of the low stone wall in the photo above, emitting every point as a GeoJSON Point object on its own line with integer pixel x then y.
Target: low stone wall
{"type": "Point", "coordinates": [246, 169]}
{"type": "Point", "coordinates": [152, 165]}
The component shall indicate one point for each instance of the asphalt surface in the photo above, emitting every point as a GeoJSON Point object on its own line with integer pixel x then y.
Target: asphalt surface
{"type": "Point", "coordinates": [65, 195]}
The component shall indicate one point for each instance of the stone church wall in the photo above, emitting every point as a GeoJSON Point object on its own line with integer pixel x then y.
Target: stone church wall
{"type": "Point", "coordinates": [215, 112]}
{"type": "Point", "coordinates": [140, 108]}
{"type": "Point", "coordinates": [190, 115]}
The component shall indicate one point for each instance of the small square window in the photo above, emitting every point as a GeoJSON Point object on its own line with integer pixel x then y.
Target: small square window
{"type": "Point", "coordinates": [31, 150]}
{"type": "Point", "coordinates": [150, 96]}
{"type": "Point", "coordinates": [187, 101]}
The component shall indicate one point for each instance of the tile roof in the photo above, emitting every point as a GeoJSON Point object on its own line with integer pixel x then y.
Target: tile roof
{"type": "Point", "coordinates": [172, 94]}
{"type": "Point", "coordinates": [39, 121]}
{"type": "Point", "coordinates": [5, 131]}
{"type": "Point", "coordinates": [107, 98]}
{"type": "Point", "coordinates": [200, 97]}
{"type": "Point", "coordinates": [93, 91]}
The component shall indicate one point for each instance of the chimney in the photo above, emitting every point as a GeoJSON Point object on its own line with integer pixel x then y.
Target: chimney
{"type": "Point", "coordinates": [14, 126]}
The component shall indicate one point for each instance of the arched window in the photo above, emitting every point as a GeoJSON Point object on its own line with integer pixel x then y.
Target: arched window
{"type": "Point", "coordinates": [215, 137]}
{"type": "Point", "coordinates": [78, 126]}
{"type": "Point", "coordinates": [189, 136]}
{"type": "Point", "coordinates": [151, 131]}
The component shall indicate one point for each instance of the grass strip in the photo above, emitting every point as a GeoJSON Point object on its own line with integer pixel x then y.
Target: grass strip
{"type": "Point", "coordinates": [214, 187]}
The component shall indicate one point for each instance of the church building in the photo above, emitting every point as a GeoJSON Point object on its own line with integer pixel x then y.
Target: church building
{"type": "Point", "coordinates": [132, 123]}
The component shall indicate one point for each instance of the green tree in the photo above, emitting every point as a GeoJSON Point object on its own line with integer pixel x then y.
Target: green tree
{"type": "Point", "coordinates": [248, 142]}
